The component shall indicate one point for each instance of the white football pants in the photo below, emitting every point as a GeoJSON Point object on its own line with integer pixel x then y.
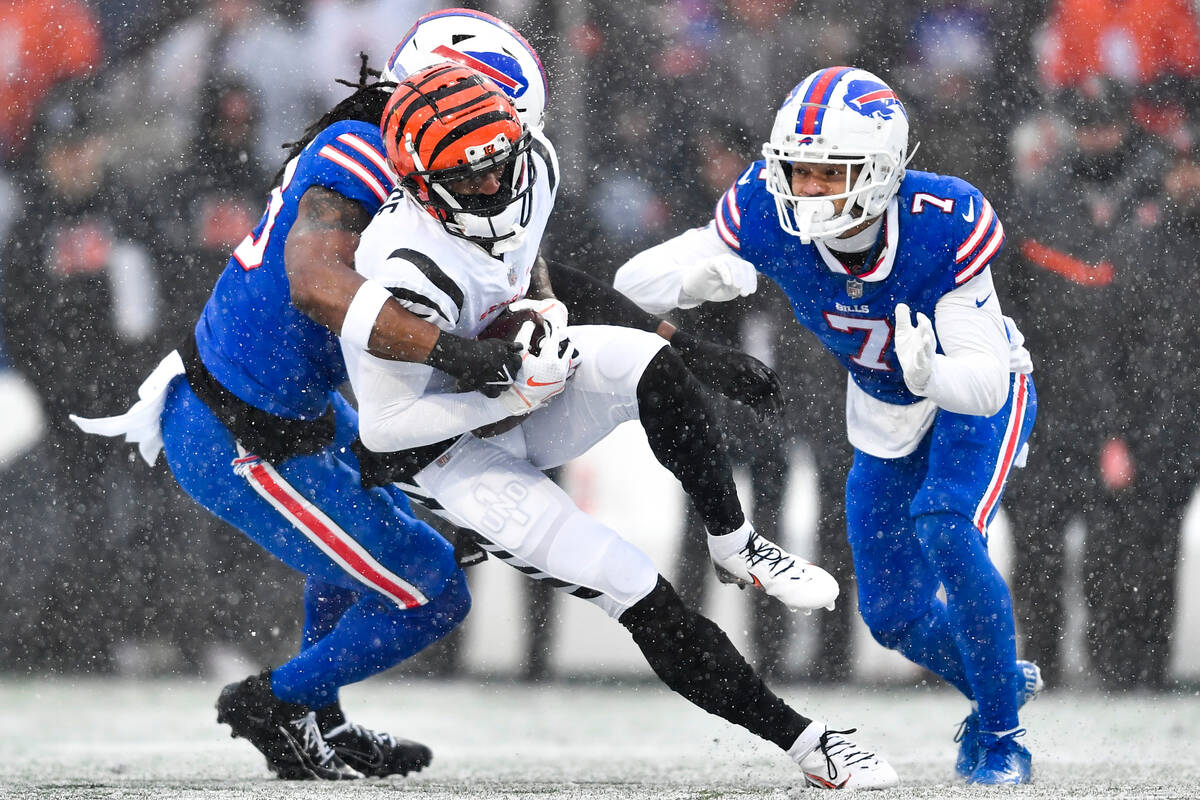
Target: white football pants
{"type": "Point", "coordinates": [496, 488]}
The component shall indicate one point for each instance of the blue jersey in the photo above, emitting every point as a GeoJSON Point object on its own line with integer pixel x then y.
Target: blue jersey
{"type": "Point", "coordinates": [250, 336]}
{"type": "Point", "coordinates": [939, 232]}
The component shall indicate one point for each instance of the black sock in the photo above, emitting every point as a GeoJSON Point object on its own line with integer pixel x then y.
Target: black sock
{"type": "Point", "coordinates": [685, 436]}
{"type": "Point", "coordinates": [695, 658]}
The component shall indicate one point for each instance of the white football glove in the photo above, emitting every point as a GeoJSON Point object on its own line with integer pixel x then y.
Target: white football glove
{"type": "Point", "coordinates": [551, 309]}
{"type": "Point", "coordinates": [915, 349]}
{"type": "Point", "coordinates": [541, 376]}
{"type": "Point", "coordinates": [554, 312]}
{"type": "Point", "coordinates": [717, 278]}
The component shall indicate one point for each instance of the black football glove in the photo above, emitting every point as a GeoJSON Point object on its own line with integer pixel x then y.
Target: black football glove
{"type": "Point", "coordinates": [737, 375]}
{"type": "Point", "coordinates": [487, 365]}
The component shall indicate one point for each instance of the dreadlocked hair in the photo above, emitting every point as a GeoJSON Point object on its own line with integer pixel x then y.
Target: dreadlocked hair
{"type": "Point", "coordinates": [365, 105]}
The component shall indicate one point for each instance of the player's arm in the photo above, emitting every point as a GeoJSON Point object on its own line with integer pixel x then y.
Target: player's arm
{"type": "Point", "coordinates": [731, 372]}
{"type": "Point", "coordinates": [971, 375]}
{"type": "Point", "coordinates": [319, 258]}
{"type": "Point", "coordinates": [694, 267]}
{"type": "Point", "coordinates": [394, 413]}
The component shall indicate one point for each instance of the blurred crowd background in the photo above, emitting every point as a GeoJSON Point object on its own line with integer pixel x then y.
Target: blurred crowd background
{"type": "Point", "coordinates": [138, 141]}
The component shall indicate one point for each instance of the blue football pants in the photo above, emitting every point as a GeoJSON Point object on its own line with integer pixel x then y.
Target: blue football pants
{"type": "Point", "coordinates": [381, 585]}
{"type": "Point", "coordinates": [919, 522]}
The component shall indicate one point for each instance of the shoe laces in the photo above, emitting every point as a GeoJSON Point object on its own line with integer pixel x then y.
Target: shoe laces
{"type": "Point", "coordinates": [834, 743]}
{"type": "Point", "coordinates": [997, 751]}
{"type": "Point", "coordinates": [962, 729]}
{"type": "Point", "coordinates": [311, 737]}
{"type": "Point", "coordinates": [759, 551]}
{"type": "Point", "coordinates": [383, 740]}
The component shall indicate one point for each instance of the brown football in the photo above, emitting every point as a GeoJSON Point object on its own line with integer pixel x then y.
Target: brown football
{"type": "Point", "coordinates": [508, 324]}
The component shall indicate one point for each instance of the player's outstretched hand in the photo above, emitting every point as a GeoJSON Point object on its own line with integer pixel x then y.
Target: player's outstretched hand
{"type": "Point", "coordinates": [915, 348]}
{"type": "Point", "coordinates": [543, 374]}
{"type": "Point", "coordinates": [737, 375]}
{"type": "Point", "coordinates": [717, 278]}
{"type": "Point", "coordinates": [485, 365]}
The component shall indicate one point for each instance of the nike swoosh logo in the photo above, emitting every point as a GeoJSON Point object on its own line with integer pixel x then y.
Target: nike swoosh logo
{"type": "Point", "coordinates": [371, 759]}
{"type": "Point", "coordinates": [970, 215]}
{"type": "Point", "coordinates": [819, 781]}
{"type": "Point", "coordinates": [532, 382]}
{"type": "Point", "coordinates": [979, 303]}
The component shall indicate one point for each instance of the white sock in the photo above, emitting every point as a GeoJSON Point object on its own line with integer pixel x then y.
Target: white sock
{"type": "Point", "coordinates": [725, 545]}
{"type": "Point", "coordinates": [807, 741]}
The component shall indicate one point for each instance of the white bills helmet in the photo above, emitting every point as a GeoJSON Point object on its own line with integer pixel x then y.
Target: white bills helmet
{"type": "Point", "coordinates": [845, 116]}
{"type": "Point", "coordinates": [483, 43]}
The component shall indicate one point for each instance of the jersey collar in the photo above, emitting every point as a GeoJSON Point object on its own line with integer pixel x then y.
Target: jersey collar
{"type": "Point", "coordinates": [883, 264]}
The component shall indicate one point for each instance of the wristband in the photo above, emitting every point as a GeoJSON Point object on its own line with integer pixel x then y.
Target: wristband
{"type": "Point", "coordinates": [363, 311]}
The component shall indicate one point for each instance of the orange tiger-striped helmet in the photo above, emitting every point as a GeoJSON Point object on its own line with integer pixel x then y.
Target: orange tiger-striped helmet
{"type": "Point", "coordinates": [452, 136]}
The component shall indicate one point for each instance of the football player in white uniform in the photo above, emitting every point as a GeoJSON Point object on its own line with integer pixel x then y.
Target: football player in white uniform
{"type": "Point", "coordinates": [673, 405]}
{"type": "Point", "coordinates": [456, 243]}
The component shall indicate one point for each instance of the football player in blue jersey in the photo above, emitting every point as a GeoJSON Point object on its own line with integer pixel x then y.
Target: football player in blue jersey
{"type": "Point", "coordinates": [254, 429]}
{"type": "Point", "coordinates": [938, 409]}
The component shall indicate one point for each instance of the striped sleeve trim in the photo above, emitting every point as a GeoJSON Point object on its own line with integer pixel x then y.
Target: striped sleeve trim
{"type": "Point", "coordinates": [989, 249]}
{"type": "Point", "coordinates": [372, 154]}
{"type": "Point", "coordinates": [729, 219]}
{"type": "Point", "coordinates": [331, 153]}
{"type": "Point", "coordinates": [423, 300]}
{"type": "Point", "coordinates": [986, 217]}
{"type": "Point", "coordinates": [424, 307]}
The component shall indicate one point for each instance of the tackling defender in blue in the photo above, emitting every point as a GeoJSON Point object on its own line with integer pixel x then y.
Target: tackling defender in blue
{"type": "Point", "coordinates": [938, 410]}
{"type": "Point", "coordinates": [254, 429]}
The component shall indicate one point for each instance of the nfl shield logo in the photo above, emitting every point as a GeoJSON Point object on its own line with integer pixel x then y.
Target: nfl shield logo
{"type": "Point", "coordinates": [854, 288]}
{"type": "Point", "coordinates": [512, 275]}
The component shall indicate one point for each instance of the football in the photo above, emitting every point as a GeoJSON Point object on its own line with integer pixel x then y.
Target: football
{"type": "Point", "coordinates": [508, 324]}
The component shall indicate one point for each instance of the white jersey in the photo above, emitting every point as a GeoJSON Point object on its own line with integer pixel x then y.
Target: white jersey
{"type": "Point", "coordinates": [454, 284]}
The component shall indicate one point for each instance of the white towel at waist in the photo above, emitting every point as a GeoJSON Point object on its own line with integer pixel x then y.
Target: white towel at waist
{"type": "Point", "coordinates": [142, 423]}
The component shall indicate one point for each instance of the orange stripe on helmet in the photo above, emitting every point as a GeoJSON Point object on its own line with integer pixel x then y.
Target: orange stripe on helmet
{"type": "Point", "coordinates": [443, 110]}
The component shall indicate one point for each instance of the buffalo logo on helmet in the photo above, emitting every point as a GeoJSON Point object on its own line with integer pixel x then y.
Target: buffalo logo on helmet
{"type": "Point", "coordinates": [500, 68]}
{"type": "Point", "coordinates": [873, 99]}
{"type": "Point", "coordinates": [503, 70]}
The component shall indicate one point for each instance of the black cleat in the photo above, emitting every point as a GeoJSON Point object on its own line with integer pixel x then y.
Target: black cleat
{"type": "Point", "coordinates": [285, 733]}
{"type": "Point", "coordinates": [377, 754]}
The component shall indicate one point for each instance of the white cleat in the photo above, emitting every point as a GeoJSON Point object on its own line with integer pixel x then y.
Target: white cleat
{"type": "Point", "coordinates": [800, 585]}
{"type": "Point", "coordinates": [838, 763]}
